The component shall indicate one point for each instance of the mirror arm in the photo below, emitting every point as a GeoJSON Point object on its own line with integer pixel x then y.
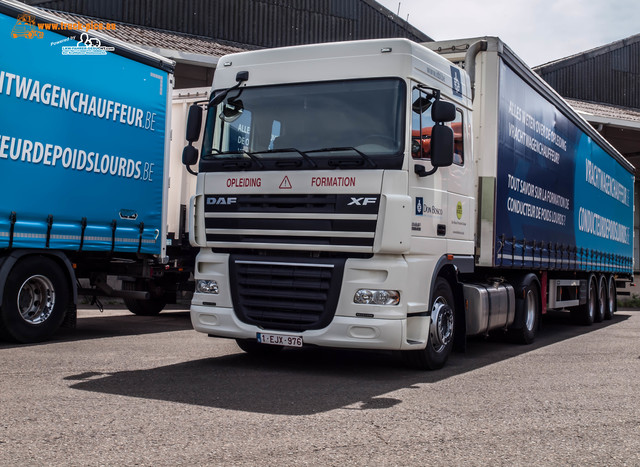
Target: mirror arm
{"type": "Point", "coordinates": [422, 172]}
{"type": "Point", "coordinates": [190, 170]}
{"type": "Point", "coordinates": [241, 77]}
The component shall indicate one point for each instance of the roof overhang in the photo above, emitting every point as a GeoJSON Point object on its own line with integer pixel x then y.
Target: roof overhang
{"type": "Point", "coordinates": [609, 121]}
{"type": "Point", "coordinates": [180, 56]}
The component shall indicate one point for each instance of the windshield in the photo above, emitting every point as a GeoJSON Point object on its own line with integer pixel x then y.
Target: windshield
{"type": "Point", "coordinates": [338, 124]}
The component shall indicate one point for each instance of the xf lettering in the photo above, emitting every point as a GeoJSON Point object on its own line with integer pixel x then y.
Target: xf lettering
{"type": "Point", "coordinates": [362, 201]}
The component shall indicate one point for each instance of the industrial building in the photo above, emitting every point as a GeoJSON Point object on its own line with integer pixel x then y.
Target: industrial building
{"type": "Point", "coordinates": [196, 33]}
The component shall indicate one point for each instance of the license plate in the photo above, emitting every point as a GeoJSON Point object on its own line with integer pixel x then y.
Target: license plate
{"type": "Point", "coordinates": [280, 339]}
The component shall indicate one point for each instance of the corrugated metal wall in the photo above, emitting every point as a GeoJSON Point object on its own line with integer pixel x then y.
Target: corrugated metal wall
{"type": "Point", "coordinates": [610, 75]}
{"type": "Point", "coordinates": [266, 23]}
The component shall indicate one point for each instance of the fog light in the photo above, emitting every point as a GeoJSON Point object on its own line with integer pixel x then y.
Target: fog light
{"type": "Point", "coordinates": [206, 286]}
{"type": "Point", "coordinates": [376, 297]}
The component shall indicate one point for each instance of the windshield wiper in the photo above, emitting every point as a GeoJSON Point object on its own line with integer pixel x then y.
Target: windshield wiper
{"type": "Point", "coordinates": [236, 162]}
{"type": "Point", "coordinates": [338, 162]}
{"type": "Point", "coordinates": [304, 155]}
{"type": "Point", "coordinates": [254, 158]}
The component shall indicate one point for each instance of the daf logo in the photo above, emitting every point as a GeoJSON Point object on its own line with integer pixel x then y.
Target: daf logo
{"type": "Point", "coordinates": [222, 200]}
{"type": "Point", "coordinates": [362, 201]}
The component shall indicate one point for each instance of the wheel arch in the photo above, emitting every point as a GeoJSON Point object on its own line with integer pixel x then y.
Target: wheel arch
{"type": "Point", "coordinates": [9, 261]}
{"type": "Point", "coordinates": [520, 284]}
{"type": "Point", "coordinates": [448, 268]}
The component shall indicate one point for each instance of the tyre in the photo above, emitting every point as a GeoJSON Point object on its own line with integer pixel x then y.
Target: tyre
{"type": "Point", "coordinates": [252, 346]}
{"type": "Point", "coordinates": [527, 321]}
{"type": "Point", "coordinates": [36, 295]}
{"type": "Point", "coordinates": [601, 303]}
{"type": "Point", "coordinates": [149, 307]}
{"type": "Point", "coordinates": [441, 331]}
{"type": "Point", "coordinates": [585, 314]}
{"type": "Point", "coordinates": [612, 298]}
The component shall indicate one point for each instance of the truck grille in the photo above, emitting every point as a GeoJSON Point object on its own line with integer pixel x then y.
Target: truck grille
{"type": "Point", "coordinates": [285, 295]}
{"type": "Point", "coordinates": [318, 222]}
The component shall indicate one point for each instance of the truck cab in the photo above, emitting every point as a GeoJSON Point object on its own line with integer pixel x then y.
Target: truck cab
{"type": "Point", "coordinates": [319, 221]}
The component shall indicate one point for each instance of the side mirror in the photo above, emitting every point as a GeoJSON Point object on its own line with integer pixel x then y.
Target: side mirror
{"type": "Point", "coordinates": [441, 150]}
{"type": "Point", "coordinates": [189, 155]}
{"type": "Point", "coordinates": [232, 110]}
{"type": "Point", "coordinates": [194, 123]}
{"type": "Point", "coordinates": [442, 112]}
{"type": "Point", "coordinates": [441, 146]}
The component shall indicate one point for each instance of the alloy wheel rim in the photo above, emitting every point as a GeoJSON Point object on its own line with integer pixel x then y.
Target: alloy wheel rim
{"type": "Point", "coordinates": [36, 299]}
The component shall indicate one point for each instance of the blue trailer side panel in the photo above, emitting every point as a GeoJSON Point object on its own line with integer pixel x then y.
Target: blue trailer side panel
{"type": "Point", "coordinates": [562, 201]}
{"type": "Point", "coordinates": [82, 145]}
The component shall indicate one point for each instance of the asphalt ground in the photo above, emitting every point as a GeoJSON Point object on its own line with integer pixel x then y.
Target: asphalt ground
{"type": "Point", "coordinates": [131, 390]}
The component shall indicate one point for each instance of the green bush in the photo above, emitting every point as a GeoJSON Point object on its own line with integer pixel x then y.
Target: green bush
{"type": "Point", "coordinates": [629, 302]}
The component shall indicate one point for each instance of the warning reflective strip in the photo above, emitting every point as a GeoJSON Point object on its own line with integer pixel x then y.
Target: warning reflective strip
{"type": "Point", "coordinates": [560, 263]}
{"type": "Point", "coordinates": [285, 216]}
{"type": "Point", "coordinates": [291, 233]}
{"type": "Point", "coordinates": [76, 237]}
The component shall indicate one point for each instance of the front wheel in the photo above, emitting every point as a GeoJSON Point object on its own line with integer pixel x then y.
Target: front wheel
{"type": "Point", "coordinates": [140, 307]}
{"type": "Point", "coordinates": [35, 300]}
{"type": "Point", "coordinates": [150, 307]}
{"type": "Point", "coordinates": [441, 331]}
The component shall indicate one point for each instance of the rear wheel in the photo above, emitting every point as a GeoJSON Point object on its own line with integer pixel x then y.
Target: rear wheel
{"type": "Point", "coordinates": [441, 331]}
{"type": "Point", "coordinates": [527, 314]}
{"type": "Point", "coordinates": [612, 298]}
{"type": "Point", "coordinates": [35, 300]}
{"type": "Point", "coordinates": [601, 304]}
{"type": "Point", "coordinates": [585, 314]}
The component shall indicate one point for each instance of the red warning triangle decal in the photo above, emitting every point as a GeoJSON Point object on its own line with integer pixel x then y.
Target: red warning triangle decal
{"type": "Point", "coordinates": [285, 184]}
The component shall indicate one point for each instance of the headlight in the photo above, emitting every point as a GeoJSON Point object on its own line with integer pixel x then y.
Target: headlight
{"type": "Point", "coordinates": [377, 297]}
{"type": "Point", "coordinates": [206, 286]}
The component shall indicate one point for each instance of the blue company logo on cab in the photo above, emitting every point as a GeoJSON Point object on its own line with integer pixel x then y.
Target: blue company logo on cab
{"type": "Point", "coordinates": [422, 210]}
{"type": "Point", "coordinates": [456, 82]}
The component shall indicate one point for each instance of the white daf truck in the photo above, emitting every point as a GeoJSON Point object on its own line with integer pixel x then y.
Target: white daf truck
{"type": "Point", "coordinates": [375, 195]}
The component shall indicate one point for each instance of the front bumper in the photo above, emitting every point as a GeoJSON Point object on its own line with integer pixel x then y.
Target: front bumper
{"type": "Point", "coordinates": [343, 331]}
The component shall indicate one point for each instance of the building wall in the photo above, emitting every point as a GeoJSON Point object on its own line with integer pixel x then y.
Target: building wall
{"type": "Point", "coordinates": [609, 74]}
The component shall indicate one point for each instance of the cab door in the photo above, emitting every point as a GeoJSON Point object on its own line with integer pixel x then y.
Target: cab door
{"type": "Point", "coordinates": [444, 202]}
